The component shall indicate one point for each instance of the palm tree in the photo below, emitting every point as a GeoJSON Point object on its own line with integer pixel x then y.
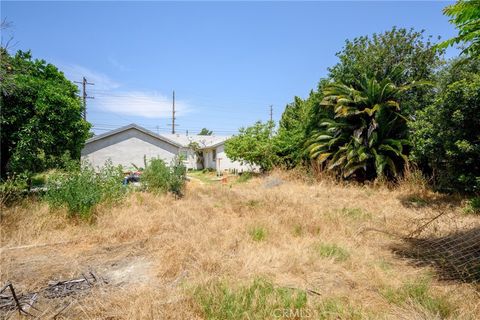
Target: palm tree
{"type": "Point", "coordinates": [366, 137]}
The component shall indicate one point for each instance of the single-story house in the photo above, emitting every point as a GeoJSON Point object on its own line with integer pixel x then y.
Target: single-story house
{"type": "Point", "coordinates": [132, 144]}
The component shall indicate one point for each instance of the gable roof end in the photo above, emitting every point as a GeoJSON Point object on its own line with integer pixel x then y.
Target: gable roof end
{"type": "Point", "coordinates": [136, 127]}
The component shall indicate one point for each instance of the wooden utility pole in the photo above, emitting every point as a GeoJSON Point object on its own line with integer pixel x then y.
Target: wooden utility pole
{"type": "Point", "coordinates": [271, 113]}
{"type": "Point", "coordinates": [85, 96]}
{"type": "Point", "coordinates": [173, 113]}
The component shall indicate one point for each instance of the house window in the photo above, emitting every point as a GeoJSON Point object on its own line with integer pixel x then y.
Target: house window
{"type": "Point", "coordinates": [214, 155]}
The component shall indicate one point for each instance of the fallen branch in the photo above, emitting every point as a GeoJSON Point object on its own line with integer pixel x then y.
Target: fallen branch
{"type": "Point", "coordinates": [419, 230]}
{"type": "Point", "coordinates": [15, 298]}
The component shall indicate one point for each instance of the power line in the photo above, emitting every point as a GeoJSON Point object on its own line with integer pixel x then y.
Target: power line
{"type": "Point", "coordinates": [85, 96]}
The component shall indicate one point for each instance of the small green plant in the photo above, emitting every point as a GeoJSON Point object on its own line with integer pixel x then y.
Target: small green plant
{"type": "Point", "coordinates": [258, 233]}
{"type": "Point", "coordinates": [259, 300]}
{"type": "Point", "coordinates": [298, 231]}
{"type": "Point", "coordinates": [253, 203]}
{"type": "Point", "coordinates": [472, 206]}
{"type": "Point", "coordinates": [418, 293]}
{"type": "Point", "coordinates": [244, 177]}
{"type": "Point", "coordinates": [334, 251]}
{"type": "Point", "coordinates": [335, 308]}
{"type": "Point", "coordinates": [355, 213]}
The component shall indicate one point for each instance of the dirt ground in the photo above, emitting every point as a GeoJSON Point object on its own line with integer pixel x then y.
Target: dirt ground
{"type": "Point", "coordinates": [153, 251]}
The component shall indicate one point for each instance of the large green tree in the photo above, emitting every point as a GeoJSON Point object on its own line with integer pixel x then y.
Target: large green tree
{"type": "Point", "coordinates": [446, 134]}
{"type": "Point", "coordinates": [299, 120]}
{"type": "Point", "coordinates": [408, 54]}
{"type": "Point", "coordinates": [41, 115]}
{"type": "Point", "coordinates": [465, 15]}
{"type": "Point", "coordinates": [378, 55]}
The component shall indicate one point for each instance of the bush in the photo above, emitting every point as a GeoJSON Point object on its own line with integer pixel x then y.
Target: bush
{"type": "Point", "coordinates": [445, 135]}
{"type": "Point", "coordinates": [159, 178]}
{"type": "Point", "coordinates": [472, 206]}
{"type": "Point", "coordinates": [12, 190]}
{"type": "Point", "coordinates": [80, 188]}
{"type": "Point", "coordinates": [178, 176]}
{"type": "Point", "coordinates": [253, 146]}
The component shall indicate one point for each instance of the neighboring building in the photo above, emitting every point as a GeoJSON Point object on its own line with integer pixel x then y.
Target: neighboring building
{"type": "Point", "coordinates": [131, 145]}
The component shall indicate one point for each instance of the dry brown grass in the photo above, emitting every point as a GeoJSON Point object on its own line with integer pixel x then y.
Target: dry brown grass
{"type": "Point", "coordinates": [155, 250]}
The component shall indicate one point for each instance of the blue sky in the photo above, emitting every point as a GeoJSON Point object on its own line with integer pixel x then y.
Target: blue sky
{"type": "Point", "coordinates": [226, 61]}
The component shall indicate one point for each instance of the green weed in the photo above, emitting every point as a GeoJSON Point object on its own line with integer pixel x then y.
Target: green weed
{"type": "Point", "coordinates": [80, 188]}
{"type": "Point", "coordinates": [472, 206]}
{"type": "Point", "coordinates": [259, 300]}
{"type": "Point", "coordinates": [258, 233]}
{"type": "Point", "coordinates": [355, 213]}
{"type": "Point", "coordinates": [332, 251]}
{"type": "Point", "coordinates": [418, 293]}
{"type": "Point", "coordinates": [334, 308]}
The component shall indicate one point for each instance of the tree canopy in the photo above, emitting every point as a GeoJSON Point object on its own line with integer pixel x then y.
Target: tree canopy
{"type": "Point", "coordinates": [41, 116]}
{"type": "Point", "coordinates": [446, 133]}
{"type": "Point", "coordinates": [253, 145]}
{"type": "Point", "coordinates": [205, 132]}
{"type": "Point", "coordinates": [465, 15]}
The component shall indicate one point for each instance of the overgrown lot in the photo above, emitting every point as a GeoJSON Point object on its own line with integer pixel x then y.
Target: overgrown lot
{"type": "Point", "coordinates": [254, 250]}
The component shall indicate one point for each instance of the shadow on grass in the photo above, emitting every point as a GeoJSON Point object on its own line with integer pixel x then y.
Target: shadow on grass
{"type": "Point", "coordinates": [455, 256]}
{"type": "Point", "coordinates": [418, 200]}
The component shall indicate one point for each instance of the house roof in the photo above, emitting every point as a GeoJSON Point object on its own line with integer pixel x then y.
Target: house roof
{"type": "Point", "coordinates": [136, 127]}
{"type": "Point", "coordinates": [203, 141]}
{"type": "Point", "coordinates": [178, 140]}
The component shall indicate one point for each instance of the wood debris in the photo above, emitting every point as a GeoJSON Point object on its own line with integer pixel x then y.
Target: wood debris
{"type": "Point", "coordinates": [57, 289]}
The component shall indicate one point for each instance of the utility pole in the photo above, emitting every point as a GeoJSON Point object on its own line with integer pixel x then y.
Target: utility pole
{"type": "Point", "coordinates": [173, 113]}
{"type": "Point", "coordinates": [271, 113]}
{"type": "Point", "coordinates": [85, 96]}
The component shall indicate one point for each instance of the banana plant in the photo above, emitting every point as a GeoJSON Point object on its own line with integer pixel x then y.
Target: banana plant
{"type": "Point", "coordinates": [367, 136]}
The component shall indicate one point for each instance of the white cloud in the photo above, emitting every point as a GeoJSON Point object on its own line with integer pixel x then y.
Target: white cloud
{"type": "Point", "coordinates": [110, 97]}
{"type": "Point", "coordinates": [101, 81]}
{"type": "Point", "coordinates": [141, 104]}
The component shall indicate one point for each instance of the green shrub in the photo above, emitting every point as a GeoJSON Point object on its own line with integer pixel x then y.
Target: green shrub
{"type": "Point", "coordinates": [80, 188]}
{"type": "Point", "coordinates": [260, 300]}
{"type": "Point", "coordinates": [12, 190]}
{"type": "Point", "coordinates": [445, 133]}
{"type": "Point", "coordinates": [160, 178]}
{"type": "Point", "coordinates": [156, 176]}
{"type": "Point", "coordinates": [178, 176]}
{"type": "Point", "coordinates": [472, 206]}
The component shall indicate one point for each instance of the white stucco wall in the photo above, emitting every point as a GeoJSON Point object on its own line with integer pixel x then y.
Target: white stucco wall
{"type": "Point", "coordinates": [127, 147]}
{"type": "Point", "coordinates": [223, 163]}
